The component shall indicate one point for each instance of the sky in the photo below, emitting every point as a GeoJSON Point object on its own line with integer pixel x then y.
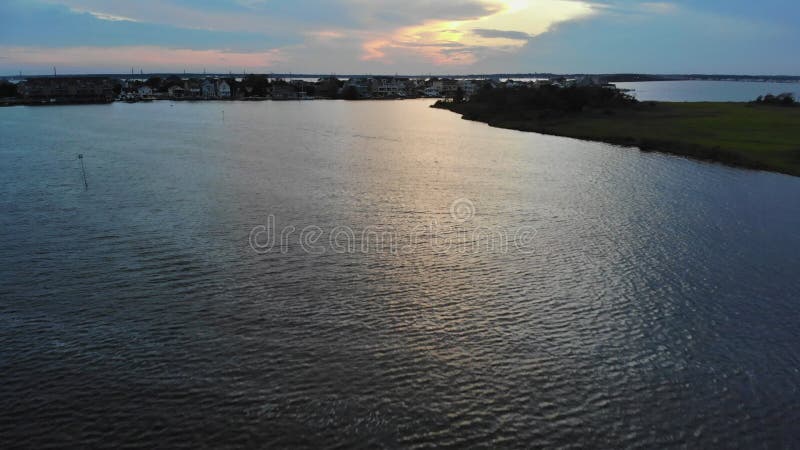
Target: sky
{"type": "Point", "coordinates": [401, 36]}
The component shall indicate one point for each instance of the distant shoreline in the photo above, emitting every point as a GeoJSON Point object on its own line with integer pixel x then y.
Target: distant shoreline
{"type": "Point", "coordinates": [736, 134]}
{"type": "Point", "coordinates": [14, 102]}
{"type": "Point", "coordinates": [610, 77]}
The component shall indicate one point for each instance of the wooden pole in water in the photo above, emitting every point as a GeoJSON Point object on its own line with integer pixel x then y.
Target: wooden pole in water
{"type": "Point", "coordinates": [83, 170]}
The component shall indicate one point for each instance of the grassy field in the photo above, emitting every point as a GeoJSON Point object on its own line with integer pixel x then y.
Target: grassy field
{"type": "Point", "coordinates": [740, 134]}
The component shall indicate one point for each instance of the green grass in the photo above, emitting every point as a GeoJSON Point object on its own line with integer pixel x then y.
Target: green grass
{"type": "Point", "coordinates": [740, 134]}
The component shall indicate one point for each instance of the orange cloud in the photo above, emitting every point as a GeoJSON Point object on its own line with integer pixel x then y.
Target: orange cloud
{"type": "Point", "coordinates": [326, 34]}
{"type": "Point", "coordinates": [373, 50]}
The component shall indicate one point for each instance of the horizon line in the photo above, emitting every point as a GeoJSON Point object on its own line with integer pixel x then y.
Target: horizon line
{"type": "Point", "coordinates": [417, 75]}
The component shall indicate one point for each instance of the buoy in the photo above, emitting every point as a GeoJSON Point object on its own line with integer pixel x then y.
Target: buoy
{"type": "Point", "coordinates": [83, 170]}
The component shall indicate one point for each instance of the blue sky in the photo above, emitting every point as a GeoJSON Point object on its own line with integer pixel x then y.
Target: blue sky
{"type": "Point", "coordinates": [394, 36]}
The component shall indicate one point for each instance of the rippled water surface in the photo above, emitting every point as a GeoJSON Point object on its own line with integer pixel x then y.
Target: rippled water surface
{"type": "Point", "coordinates": [653, 303]}
{"type": "Point", "coordinates": [707, 91]}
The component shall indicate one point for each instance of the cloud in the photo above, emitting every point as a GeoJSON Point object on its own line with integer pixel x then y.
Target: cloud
{"type": "Point", "coordinates": [501, 34]}
{"type": "Point", "coordinates": [33, 25]}
{"type": "Point", "coordinates": [386, 29]}
{"type": "Point", "coordinates": [505, 27]}
{"type": "Point", "coordinates": [152, 58]}
{"type": "Point", "coordinates": [388, 36]}
{"type": "Point", "coordinates": [108, 17]}
{"type": "Point", "coordinates": [326, 34]}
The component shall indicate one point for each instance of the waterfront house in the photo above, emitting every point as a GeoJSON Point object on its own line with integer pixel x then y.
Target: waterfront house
{"type": "Point", "coordinates": [327, 87]}
{"type": "Point", "coordinates": [449, 87]}
{"type": "Point", "coordinates": [192, 87]}
{"type": "Point", "coordinates": [468, 87]}
{"type": "Point", "coordinates": [431, 92]}
{"type": "Point", "coordinates": [176, 91]}
{"type": "Point", "coordinates": [223, 89]}
{"type": "Point", "coordinates": [445, 86]}
{"type": "Point", "coordinates": [68, 90]}
{"type": "Point", "coordinates": [361, 85]}
{"type": "Point", "coordinates": [283, 92]}
{"type": "Point", "coordinates": [209, 88]}
{"type": "Point", "coordinates": [387, 87]}
{"type": "Point", "coordinates": [304, 89]}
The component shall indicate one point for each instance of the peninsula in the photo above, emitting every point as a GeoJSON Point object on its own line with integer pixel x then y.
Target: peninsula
{"type": "Point", "coordinates": [763, 134]}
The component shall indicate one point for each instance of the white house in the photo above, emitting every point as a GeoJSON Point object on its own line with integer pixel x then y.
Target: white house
{"type": "Point", "coordinates": [431, 92]}
{"type": "Point", "coordinates": [388, 87]}
{"type": "Point", "coordinates": [145, 91]}
{"type": "Point", "coordinates": [223, 89]}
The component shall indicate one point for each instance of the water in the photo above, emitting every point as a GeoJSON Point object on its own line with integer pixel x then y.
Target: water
{"type": "Point", "coordinates": [706, 91]}
{"type": "Point", "coordinates": [654, 304]}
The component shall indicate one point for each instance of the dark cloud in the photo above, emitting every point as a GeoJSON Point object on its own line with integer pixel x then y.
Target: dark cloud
{"type": "Point", "coordinates": [437, 44]}
{"type": "Point", "coordinates": [501, 34]}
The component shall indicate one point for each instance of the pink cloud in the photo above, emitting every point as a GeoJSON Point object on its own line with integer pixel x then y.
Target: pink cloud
{"type": "Point", "coordinates": [149, 57]}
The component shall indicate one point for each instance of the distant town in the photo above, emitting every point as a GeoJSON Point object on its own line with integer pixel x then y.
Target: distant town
{"type": "Point", "coordinates": [59, 89]}
{"type": "Point", "coordinates": [92, 89]}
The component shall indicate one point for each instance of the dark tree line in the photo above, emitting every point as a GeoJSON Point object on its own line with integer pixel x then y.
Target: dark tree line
{"type": "Point", "coordinates": [7, 89]}
{"type": "Point", "coordinates": [785, 99]}
{"type": "Point", "coordinates": [551, 98]}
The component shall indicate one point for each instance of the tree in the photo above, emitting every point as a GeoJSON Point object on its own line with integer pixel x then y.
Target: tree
{"type": "Point", "coordinates": [256, 85]}
{"type": "Point", "coordinates": [173, 80]}
{"type": "Point", "coordinates": [350, 93]}
{"type": "Point", "coordinates": [785, 99]}
{"type": "Point", "coordinates": [550, 98]}
{"type": "Point", "coordinates": [153, 82]}
{"type": "Point", "coordinates": [458, 96]}
{"type": "Point", "coordinates": [7, 89]}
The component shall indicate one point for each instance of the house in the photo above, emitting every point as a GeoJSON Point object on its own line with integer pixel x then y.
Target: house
{"type": "Point", "coordinates": [144, 91]}
{"type": "Point", "coordinates": [431, 92]}
{"type": "Point", "coordinates": [387, 87]}
{"type": "Point", "coordinates": [361, 85]}
{"type": "Point", "coordinates": [410, 86]}
{"type": "Point", "coordinates": [304, 89]}
{"type": "Point", "coordinates": [283, 92]}
{"type": "Point", "coordinates": [176, 91]}
{"type": "Point", "coordinates": [209, 88]}
{"type": "Point", "coordinates": [223, 89]}
{"type": "Point", "coordinates": [588, 80]}
{"type": "Point", "coordinates": [193, 89]}
{"type": "Point", "coordinates": [449, 87]}
{"type": "Point", "coordinates": [468, 87]}
{"type": "Point", "coordinates": [68, 89]}
{"type": "Point", "coordinates": [328, 87]}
